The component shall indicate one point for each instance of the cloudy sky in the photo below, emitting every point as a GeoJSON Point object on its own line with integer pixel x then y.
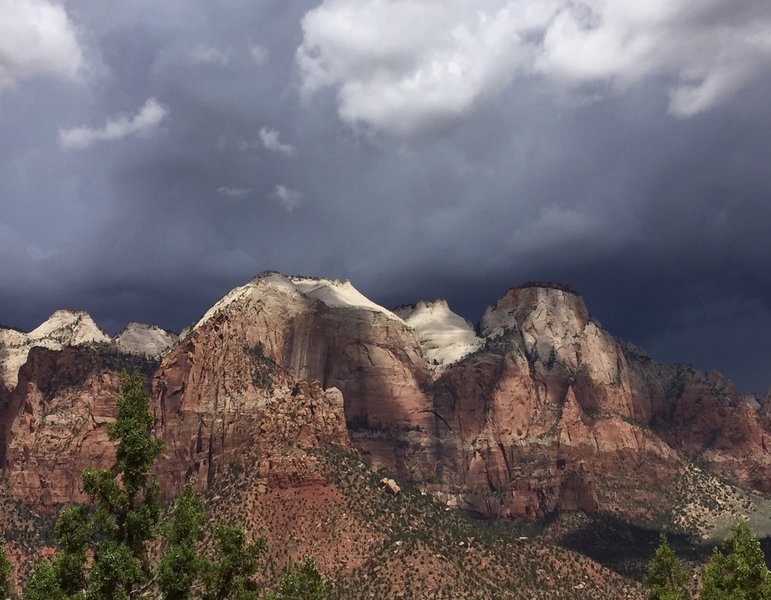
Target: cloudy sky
{"type": "Point", "coordinates": [156, 153]}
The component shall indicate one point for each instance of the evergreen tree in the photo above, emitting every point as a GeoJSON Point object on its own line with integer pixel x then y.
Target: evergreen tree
{"type": "Point", "coordinates": [102, 546]}
{"type": "Point", "coordinates": [737, 570]}
{"type": "Point", "coordinates": [181, 564]}
{"type": "Point", "coordinates": [228, 576]}
{"type": "Point", "coordinates": [667, 576]}
{"type": "Point", "coordinates": [127, 506]}
{"type": "Point", "coordinates": [121, 519]}
{"type": "Point", "coordinates": [302, 582]}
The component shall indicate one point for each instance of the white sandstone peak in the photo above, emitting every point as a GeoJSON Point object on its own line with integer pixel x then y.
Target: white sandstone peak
{"type": "Point", "coordinates": [69, 328]}
{"type": "Point", "coordinates": [335, 293]}
{"type": "Point", "coordinates": [445, 337]}
{"type": "Point", "coordinates": [141, 338]}
{"type": "Point", "coordinates": [63, 328]}
{"type": "Point", "coordinates": [332, 292]}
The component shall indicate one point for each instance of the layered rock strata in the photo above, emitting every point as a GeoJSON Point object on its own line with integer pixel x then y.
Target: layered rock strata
{"type": "Point", "coordinates": [554, 413]}
{"type": "Point", "coordinates": [542, 411]}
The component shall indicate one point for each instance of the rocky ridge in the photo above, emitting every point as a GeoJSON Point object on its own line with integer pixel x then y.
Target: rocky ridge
{"type": "Point", "coordinates": [549, 412]}
{"type": "Point", "coordinates": [63, 328]}
{"type": "Point", "coordinates": [544, 411]}
{"type": "Point", "coordinates": [75, 328]}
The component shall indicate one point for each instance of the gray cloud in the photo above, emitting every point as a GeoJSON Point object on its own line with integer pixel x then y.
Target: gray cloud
{"type": "Point", "coordinates": [271, 140]}
{"type": "Point", "coordinates": [551, 172]}
{"type": "Point", "coordinates": [209, 55]}
{"type": "Point", "coordinates": [288, 198]}
{"type": "Point", "coordinates": [234, 192]}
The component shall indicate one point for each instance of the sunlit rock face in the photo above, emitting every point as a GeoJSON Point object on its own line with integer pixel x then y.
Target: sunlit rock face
{"type": "Point", "coordinates": [541, 411]}
{"type": "Point", "coordinates": [63, 328]}
{"type": "Point", "coordinates": [54, 421]}
{"type": "Point", "coordinates": [555, 413]}
{"type": "Point", "coordinates": [444, 336]}
{"type": "Point", "coordinates": [278, 329]}
{"type": "Point", "coordinates": [147, 340]}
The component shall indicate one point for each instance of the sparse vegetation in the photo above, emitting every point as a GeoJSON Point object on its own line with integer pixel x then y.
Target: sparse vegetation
{"type": "Point", "coordinates": [263, 367]}
{"type": "Point", "coordinates": [5, 572]}
{"type": "Point", "coordinates": [301, 582]}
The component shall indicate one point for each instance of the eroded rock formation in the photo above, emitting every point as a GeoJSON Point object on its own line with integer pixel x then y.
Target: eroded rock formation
{"type": "Point", "coordinates": [543, 411]}
{"type": "Point", "coordinates": [54, 421]}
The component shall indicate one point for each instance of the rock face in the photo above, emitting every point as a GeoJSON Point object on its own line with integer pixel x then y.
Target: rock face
{"type": "Point", "coordinates": [305, 329]}
{"type": "Point", "coordinates": [555, 413]}
{"type": "Point", "coordinates": [63, 328]}
{"type": "Point", "coordinates": [549, 416]}
{"type": "Point", "coordinates": [543, 411]}
{"type": "Point", "coordinates": [54, 421]}
{"type": "Point", "coordinates": [267, 429]}
{"type": "Point", "coordinates": [147, 340]}
{"type": "Point", "coordinates": [56, 426]}
{"type": "Point", "coordinates": [444, 337]}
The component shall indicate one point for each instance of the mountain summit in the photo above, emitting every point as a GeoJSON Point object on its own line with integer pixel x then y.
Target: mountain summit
{"type": "Point", "coordinates": [542, 413]}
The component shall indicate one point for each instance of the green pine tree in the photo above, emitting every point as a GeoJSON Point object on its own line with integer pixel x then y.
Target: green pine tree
{"type": "Point", "coordinates": [302, 582]}
{"type": "Point", "coordinates": [667, 576]}
{"type": "Point", "coordinates": [118, 523]}
{"type": "Point", "coordinates": [228, 576]}
{"type": "Point", "coordinates": [181, 565]}
{"type": "Point", "coordinates": [737, 570]}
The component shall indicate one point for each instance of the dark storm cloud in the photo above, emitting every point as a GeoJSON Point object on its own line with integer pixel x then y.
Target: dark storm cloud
{"type": "Point", "coordinates": [657, 212]}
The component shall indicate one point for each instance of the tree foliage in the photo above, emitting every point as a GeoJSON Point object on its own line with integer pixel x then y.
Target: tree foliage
{"type": "Point", "coordinates": [122, 516]}
{"type": "Point", "coordinates": [228, 576]}
{"type": "Point", "coordinates": [737, 570]}
{"type": "Point", "coordinates": [181, 565]}
{"type": "Point", "coordinates": [667, 575]}
{"type": "Point", "coordinates": [102, 546]}
{"type": "Point", "coordinates": [6, 568]}
{"type": "Point", "coordinates": [302, 582]}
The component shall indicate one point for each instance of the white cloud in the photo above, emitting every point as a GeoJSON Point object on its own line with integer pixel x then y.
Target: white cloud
{"type": "Point", "coordinates": [209, 55]}
{"type": "Point", "coordinates": [234, 192]}
{"type": "Point", "coordinates": [288, 198]}
{"type": "Point", "coordinates": [271, 140]}
{"type": "Point", "coordinates": [258, 53]}
{"type": "Point", "coordinates": [706, 50]}
{"type": "Point", "coordinates": [37, 38]}
{"type": "Point", "coordinates": [145, 121]}
{"type": "Point", "coordinates": [408, 67]}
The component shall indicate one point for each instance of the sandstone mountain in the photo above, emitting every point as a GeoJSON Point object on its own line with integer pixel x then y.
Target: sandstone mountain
{"type": "Point", "coordinates": [63, 328]}
{"type": "Point", "coordinates": [540, 412]}
{"type": "Point", "coordinates": [75, 328]}
{"type": "Point", "coordinates": [148, 340]}
{"type": "Point", "coordinates": [545, 411]}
